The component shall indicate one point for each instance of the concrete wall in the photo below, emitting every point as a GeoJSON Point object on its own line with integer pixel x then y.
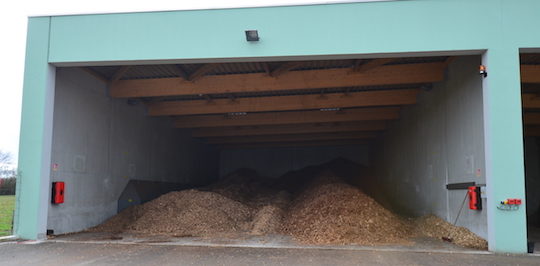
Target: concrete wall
{"type": "Point", "coordinates": [274, 162]}
{"type": "Point", "coordinates": [100, 143]}
{"type": "Point", "coordinates": [440, 140]}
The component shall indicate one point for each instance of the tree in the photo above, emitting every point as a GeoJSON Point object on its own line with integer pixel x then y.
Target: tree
{"type": "Point", "coordinates": [5, 157]}
{"type": "Point", "coordinates": [7, 184]}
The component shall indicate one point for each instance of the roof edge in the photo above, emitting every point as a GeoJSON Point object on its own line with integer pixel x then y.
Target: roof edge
{"type": "Point", "coordinates": [221, 7]}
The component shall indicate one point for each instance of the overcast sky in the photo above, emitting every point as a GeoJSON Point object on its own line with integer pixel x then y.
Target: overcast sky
{"type": "Point", "coordinates": [13, 27]}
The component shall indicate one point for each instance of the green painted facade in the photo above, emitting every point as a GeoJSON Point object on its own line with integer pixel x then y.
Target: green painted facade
{"type": "Point", "coordinates": [497, 29]}
{"type": "Point", "coordinates": [32, 187]}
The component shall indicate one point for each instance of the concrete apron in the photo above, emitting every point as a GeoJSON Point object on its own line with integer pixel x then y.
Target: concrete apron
{"type": "Point", "coordinates": [418, 245]}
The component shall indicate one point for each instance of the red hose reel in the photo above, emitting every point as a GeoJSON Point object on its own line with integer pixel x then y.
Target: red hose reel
{"type": "Point", "coordinates": [57, 192]}
{"type": "Point", "coordinates": [475, 200]}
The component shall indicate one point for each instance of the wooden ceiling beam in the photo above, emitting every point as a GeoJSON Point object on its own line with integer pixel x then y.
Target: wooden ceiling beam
{"type": "Point", "coordinates": [370, 65]}
{"type": "Point", "coordinates": [119, 74]}
{"type": "Point", "coordinates": [531, 118]}
{"type": "Point", "coordinates": [288, 129]}
{"type": "Point", "coordinates": [259, 82]}
{"type": "Point", "coordinates": [283, 118]}
{"type": "Point", "coordinates": [297, 144]}
{"type": "Point", "coordinates": [284, 103]}
{"type": "Point", "coordinates": [293, 138]}
{"type": "Point", "coordinates": [95, 74]}
{"type": "Point", "coordinates": [180, 72]}
{"type": "Point", "coordinates": [284, 68]}
{"type": "Point", "coordinates": [530, 100]}
{"type": "Point", "coordinates": [448, 61]}
{"type": "Point", "coordinates": [201, 71]}
{"type": "Point", "coordinates": [530, 73]}
{"type": "Point", "coordinates": [266, 67]}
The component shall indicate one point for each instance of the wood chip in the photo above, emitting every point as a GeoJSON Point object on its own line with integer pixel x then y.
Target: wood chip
{"type": "Point", "coordinates": [332, 212]}
{"type": "Point", "coordinates": [322, 209]}
{"type": "Point", "coordinates": [436, 227]}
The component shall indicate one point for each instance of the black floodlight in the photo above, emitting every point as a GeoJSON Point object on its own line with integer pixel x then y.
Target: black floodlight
{"type": "Point", "coordinates": [252, 35]}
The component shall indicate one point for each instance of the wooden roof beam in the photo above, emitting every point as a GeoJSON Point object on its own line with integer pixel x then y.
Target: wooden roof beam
{"type": "Point", "coordinates": [448, 61]}
{"type": "Point", "coordinates": [201, 71]}
{"type": "Point", "coordinates": [284, 103]}
{"type": "Point", "coordinates": [283, 118]}
{"type": "Point", "coordinates": [259, 82]}
{"type": "Point", "coordinates": [293, 138]}
{"type": "Point", "coordinates": [530, 73]}
{"type": "Point", "coordinates": [531, 118]}
{"type": "Point", "coordinates": [266, 67]}
{"type": "Point", "coordinates": [375, 63]}
{"type": "Point", "coordinates": [119, 74]}
{"type": "Point", "coordinates": [95, 74]}
{"type": "Point", "coordinates": [288, 129]}
{"type": "Point", "coordinates": [530, 101]}
{"type": "Point", "coordinates": [284, 68]}
{"type": "Point", "coordinates": [180, 72]}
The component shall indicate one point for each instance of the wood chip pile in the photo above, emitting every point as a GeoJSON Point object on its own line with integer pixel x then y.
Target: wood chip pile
{"type": "Point", "coordinates": [184, 213]}
{"type": "Point", "coordinates": [321, 209]}
{"type": "Point", "coordinates": [433, 226]}
{"type": "Point", "coordinates": [332, 212]}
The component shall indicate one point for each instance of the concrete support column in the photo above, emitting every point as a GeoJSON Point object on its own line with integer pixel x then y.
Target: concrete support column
{"type": "Point", "coordinates": [507, 230]}
{"type": "Point", "coordinates": [36, 134]}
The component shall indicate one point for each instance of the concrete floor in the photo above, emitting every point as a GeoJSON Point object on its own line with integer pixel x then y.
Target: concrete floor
{"type": "Point", "coordinates": [83, 253]}
{"type": "Point", "coordinates": [424, 244]}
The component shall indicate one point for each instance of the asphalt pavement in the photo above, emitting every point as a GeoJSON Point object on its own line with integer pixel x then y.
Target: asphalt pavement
{"type": "Point", "coordinates": [58, 253]}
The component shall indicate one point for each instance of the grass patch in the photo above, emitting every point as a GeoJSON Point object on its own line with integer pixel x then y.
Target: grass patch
{"type": "Point", "coordinates": [7, 206]}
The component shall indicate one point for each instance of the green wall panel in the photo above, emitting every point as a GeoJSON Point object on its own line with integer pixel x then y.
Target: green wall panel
{"type": "Point", "coordinates": [385, 27]}
{"type": "Point", "coordinates": [32, 186]}
{"type": "Point", "coordinates": [504, 150]}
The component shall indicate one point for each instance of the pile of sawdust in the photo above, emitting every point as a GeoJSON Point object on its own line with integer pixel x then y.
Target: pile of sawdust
{"type": "Point", "coordinates": [246, 186]}
{"type": "Point", "coordinates": [120, 222]}
{"type": "Point", "coordinates": [269, 218]}
{"type": "Point", "coordinates": [184, 213]}
{"type": "Point", "coordinates": [315, 205]}
{"type": "Point", "coordinates": [332, 212]}
{"type": "Point", "coordinates": [433, 226]}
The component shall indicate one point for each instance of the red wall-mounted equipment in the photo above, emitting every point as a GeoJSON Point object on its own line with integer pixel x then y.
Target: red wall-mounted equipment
{"type": "Point", "coordinates": [58, 192]}
{"type": "Point", "coordinates": [511, 202]}
{"type": "Point", "coordinates": [475, 201]}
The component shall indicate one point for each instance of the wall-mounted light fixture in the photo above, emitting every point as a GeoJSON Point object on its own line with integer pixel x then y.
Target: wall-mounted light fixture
{"type": "Point", "coordinates": [252, 35]}
{"type": "Point", "coordinates": [483, 71]}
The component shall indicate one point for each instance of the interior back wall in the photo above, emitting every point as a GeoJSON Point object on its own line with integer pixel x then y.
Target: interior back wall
{"type": "Point", "coordinates": [274, 162]}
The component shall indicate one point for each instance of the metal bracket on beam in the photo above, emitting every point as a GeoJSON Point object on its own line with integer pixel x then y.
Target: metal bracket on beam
{"type": "Point", "coordinates": [207, 98]}
{"type": "Point", "coordinates": [347, 92]}
{"type": "Point", "coordinates": [457, 186]}
{"type": "Point", "coordinates": [322, 95]}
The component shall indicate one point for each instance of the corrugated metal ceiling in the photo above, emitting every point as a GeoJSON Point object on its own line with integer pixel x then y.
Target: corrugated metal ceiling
{"type": "Point", "coordinates": [167, 71]}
